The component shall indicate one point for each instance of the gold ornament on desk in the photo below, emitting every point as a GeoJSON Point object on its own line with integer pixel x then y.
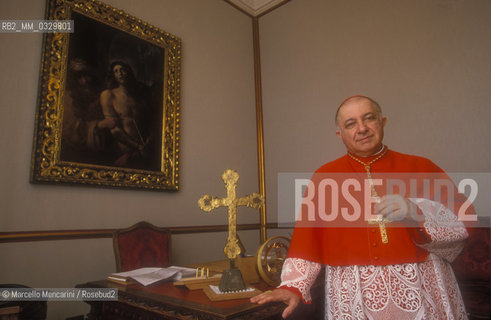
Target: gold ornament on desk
{"type": "Point", "coordinates": [232, 279]}
{"type": "Point", "coordinates": [270, 258]}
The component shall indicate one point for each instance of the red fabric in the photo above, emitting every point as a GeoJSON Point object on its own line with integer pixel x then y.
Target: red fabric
{"type": "Point", "coordinates": [362, 245]}
{"type": "Point", "coordinates": [474, 263]}
{"type": "Point", "coordinates": [143, 247]}
{"type": "Point", "coordinates": [472, 269]}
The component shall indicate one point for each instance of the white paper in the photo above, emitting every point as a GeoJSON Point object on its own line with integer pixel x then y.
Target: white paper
{"type": "Point", "coordinates": [147, 276]}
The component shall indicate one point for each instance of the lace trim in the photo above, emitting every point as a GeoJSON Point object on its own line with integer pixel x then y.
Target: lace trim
{"type": "Point", "coordinates": [300, 274]}
{"type": "Point", "coordinates": [446, 231]}
{"type": "Point", "coordinates": [426, 290]}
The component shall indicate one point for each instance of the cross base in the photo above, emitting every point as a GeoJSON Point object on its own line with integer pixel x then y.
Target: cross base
{"type": "Point", "coordinates": [232, 279]}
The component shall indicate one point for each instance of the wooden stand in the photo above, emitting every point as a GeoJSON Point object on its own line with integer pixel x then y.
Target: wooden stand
{"type": "Point", "coordinates": [199, 282]}
{"type": "Point", "coordinates": [246, 265]}
{"type": "Point", "coordinates": [230, 295]}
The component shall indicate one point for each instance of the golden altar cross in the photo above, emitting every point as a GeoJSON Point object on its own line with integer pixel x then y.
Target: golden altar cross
{"type": "Point", "coordinates": [207, 203]}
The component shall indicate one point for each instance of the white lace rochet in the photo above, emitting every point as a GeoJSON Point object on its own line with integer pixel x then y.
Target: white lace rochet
{"type": "Point", "coordinates": [426, 290]}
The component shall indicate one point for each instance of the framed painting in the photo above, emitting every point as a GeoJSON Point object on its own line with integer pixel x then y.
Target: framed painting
{"type": "Point", "coordinates": [109, 101]}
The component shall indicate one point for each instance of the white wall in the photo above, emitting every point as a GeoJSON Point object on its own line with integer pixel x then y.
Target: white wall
{"type": "Point", "coordinates": [426, 62]}
{"type": "Point", "coordinates": [217, 132]}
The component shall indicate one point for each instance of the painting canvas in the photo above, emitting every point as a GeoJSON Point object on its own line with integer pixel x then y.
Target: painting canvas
{"type": "Point", "coordinates": [108, 109]}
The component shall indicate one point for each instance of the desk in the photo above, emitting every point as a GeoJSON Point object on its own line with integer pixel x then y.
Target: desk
{"type": "Point", "coordinates": [9, 313]}
{"type": "Point", "coordinates": [166, 301]}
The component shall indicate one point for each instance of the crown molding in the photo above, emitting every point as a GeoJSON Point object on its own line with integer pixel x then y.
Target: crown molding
{"type": "Point", "coordinates": [256, 7]}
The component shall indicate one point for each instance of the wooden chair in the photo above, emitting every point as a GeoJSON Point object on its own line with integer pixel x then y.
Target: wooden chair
{"type": "Point", "coordinates": [141, 245]}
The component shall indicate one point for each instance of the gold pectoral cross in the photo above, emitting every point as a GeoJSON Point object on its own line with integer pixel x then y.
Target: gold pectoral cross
{"type": "Point", "coordinates": [207, 203]}
{"type": "Point", "coordinates": [381, 221]}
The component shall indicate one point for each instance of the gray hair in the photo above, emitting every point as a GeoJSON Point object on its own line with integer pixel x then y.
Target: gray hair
{"type": "Point", "coordinates": [357, 97]}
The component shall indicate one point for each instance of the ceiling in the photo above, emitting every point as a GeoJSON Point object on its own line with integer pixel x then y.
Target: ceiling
{"type": "Point", "coordinates": [256, 7]}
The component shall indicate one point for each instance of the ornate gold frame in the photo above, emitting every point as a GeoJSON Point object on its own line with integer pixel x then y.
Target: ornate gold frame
{"type": "Point", "coordinates": [46, 166]}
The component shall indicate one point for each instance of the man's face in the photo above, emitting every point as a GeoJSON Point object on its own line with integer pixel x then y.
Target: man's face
{"type": "Point", "coordinates": [85, 80]}
{"type": "Point", "coordinates": [120, 73]}
{"type": "Point", "coordinates": [361, 127]}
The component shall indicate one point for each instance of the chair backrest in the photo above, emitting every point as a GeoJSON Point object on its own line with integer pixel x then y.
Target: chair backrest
{"type": "Point", "coordinates": [141, 245]}
{"type": "Point", "coordinates": [474, 262]}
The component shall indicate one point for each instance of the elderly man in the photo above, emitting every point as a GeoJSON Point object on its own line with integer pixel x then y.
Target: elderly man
{"type": "Point", "coordinates": [401, 272]}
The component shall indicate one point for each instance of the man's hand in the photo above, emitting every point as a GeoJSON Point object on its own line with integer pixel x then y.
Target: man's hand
{"type": "Point", "coordinates": [282, 295]}
{"type": "Point", "coordinates": [396, 208]}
